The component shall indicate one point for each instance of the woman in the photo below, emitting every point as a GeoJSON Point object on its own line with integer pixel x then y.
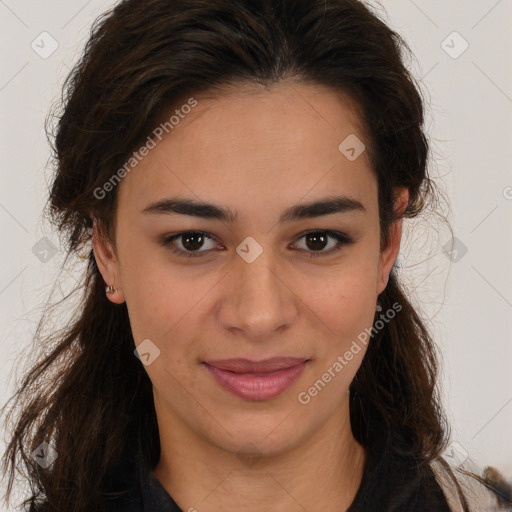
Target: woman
{"type": "Point", "coordinates": [237, 174]}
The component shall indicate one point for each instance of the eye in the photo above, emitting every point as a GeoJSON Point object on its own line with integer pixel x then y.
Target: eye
{"type": "Point", "coordinates": [195, 243]}
{"type": "Point", "coordinates": [317, 241]}
{"type": "Point", "coordinates": [189, 243]}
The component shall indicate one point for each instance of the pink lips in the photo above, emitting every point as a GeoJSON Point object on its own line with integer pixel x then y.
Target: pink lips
{"type": "Point", "coordinates": [257, 380]}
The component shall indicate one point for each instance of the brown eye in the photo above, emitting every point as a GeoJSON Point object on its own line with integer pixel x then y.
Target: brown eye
{"type": "Point", "coordinates": [193, 241]}
{"type": "Point", "coordinates": [317, 241]}
{"type": "Point", "coordinates": [189, 243]}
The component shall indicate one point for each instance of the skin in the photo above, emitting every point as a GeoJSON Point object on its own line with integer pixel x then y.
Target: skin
{"type": "Point", "coordinates": [257, 151]}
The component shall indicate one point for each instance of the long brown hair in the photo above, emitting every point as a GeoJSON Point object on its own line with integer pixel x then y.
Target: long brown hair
{"type": "Point", "coordinates": [88, 394]}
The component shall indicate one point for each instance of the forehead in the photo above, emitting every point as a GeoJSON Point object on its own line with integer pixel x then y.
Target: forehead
{"type": "Point", "coordinates": [252, 146]}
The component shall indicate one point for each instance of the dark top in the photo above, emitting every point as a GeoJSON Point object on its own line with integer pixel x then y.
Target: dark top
{"type": "Point", "coordinates": [390, 483]}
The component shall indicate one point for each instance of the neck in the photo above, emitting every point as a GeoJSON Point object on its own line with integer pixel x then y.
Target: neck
{"type": "Point", "coordinates": [323, 472]}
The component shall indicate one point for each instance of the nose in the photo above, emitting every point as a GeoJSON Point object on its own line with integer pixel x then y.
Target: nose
{"type": "Point", "coordinates": [258, 302]}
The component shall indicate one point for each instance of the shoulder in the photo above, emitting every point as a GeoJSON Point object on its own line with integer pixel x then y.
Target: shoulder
{"type": "Point", "coordinates": [454, 481]}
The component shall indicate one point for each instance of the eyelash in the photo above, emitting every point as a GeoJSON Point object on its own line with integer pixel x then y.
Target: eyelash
{"type": "Point", "coordinates": [341, 238]}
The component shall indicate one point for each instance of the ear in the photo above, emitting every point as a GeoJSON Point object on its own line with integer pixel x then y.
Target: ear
{"type": "Point", "coordinates": [107, 262]}
{"type": "Point", "coordinates": [389, 253]}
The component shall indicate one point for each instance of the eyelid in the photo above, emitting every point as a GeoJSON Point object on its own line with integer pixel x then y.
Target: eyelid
{"type": "Point", "coordinates": [342, 240]}
{"type": "Point", "coordinates": [167, 241]}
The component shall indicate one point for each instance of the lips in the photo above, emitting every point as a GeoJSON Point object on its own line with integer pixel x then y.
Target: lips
{"type": "Point", "coordinates": [247, 366]}
{"type": "Point", "coordinates": [256, 380]}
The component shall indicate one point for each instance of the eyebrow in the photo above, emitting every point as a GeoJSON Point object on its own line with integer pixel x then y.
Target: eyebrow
{"type": "Point", "coordinates": [327, 206]}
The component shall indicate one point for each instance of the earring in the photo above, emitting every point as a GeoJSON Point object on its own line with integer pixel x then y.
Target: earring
{"type": "Point", "coordinates": [378, 307]}
{"type": "Point", "coordinates": [109, 289]}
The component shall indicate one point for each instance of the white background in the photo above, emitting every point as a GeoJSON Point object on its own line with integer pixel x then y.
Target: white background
{"type": "Point", "coordinates": [469, 101]}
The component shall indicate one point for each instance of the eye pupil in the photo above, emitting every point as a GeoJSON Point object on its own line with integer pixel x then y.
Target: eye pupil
{"type": "Point", "coordinates": [319, 241]}
{"type": "Point", "coordinates": [193, 241]}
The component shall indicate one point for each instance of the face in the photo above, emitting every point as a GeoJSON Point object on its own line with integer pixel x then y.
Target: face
{"type": "Point", "coordinates": [284, 263]}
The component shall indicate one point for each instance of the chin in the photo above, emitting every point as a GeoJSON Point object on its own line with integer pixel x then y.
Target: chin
{"type": "Point", "coordinates": [261, 437]}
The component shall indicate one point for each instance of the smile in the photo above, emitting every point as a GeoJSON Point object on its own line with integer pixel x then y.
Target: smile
{"type": "Point", "coordinates": [250, 382]}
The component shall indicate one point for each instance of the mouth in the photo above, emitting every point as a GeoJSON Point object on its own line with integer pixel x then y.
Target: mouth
{"type": "Point", "coordinates": [256, 380]}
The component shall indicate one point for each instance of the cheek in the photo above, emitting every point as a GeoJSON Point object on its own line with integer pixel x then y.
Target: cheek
{"type": "Point", "coordinates": [164, 308]}
{"type": "Point", "coordinates": [344, 299]}
{"type": "Point", "coordinates": [346, 310]}
{"type": "Point", "coordinates": [161, 302]}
